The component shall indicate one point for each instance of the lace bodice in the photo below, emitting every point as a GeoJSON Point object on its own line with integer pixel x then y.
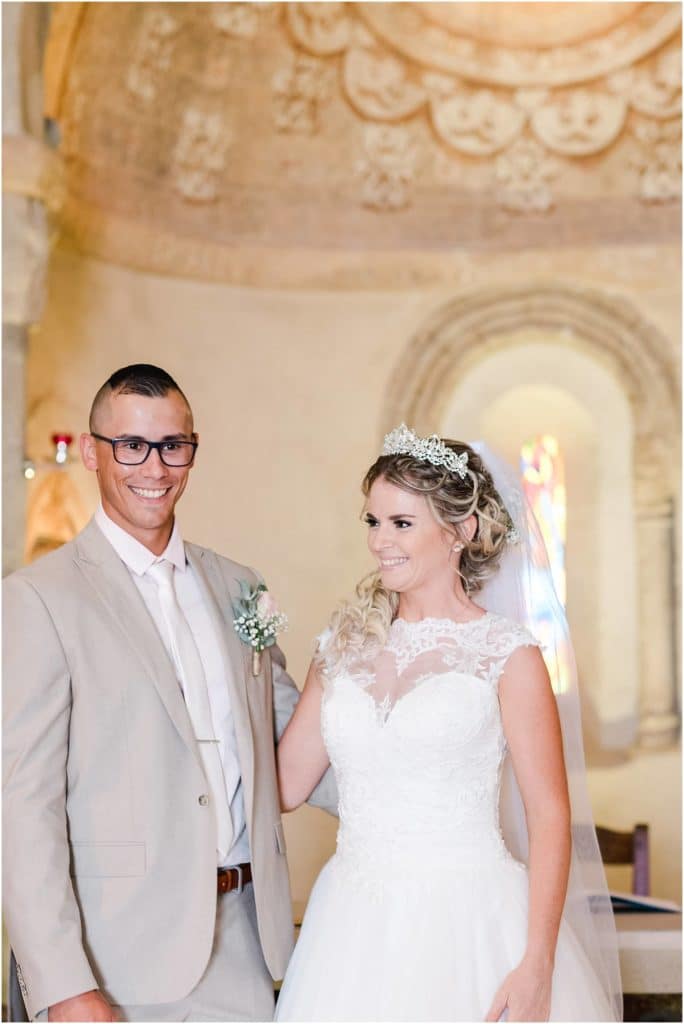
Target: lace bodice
{"type": "Point", "coordinates": [416, 743]}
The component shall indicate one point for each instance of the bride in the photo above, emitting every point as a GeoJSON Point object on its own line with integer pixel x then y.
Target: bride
{"type": "Point", "coordinates": [466, 884]}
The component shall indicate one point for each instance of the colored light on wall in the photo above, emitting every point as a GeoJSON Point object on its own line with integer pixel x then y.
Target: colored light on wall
{"type": "Point", "coordinates": [542, 469]}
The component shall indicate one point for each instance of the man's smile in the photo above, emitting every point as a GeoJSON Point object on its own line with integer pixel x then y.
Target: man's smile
{"type": "Point", "coordinates": [149, 493]}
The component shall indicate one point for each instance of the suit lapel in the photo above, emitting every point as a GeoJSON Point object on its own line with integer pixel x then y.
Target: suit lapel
{"type": "Point", "coordinates": [112, 583]}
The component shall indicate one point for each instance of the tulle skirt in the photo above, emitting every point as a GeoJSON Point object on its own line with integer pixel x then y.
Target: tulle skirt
{"type": "Point", "coordinates": [423, 946]}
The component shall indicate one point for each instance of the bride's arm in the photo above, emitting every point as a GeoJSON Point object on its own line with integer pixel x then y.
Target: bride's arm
{"type": "Point", "coordinates": [532, 728]}
{"type": "Point", "coordinates": [302, 757]}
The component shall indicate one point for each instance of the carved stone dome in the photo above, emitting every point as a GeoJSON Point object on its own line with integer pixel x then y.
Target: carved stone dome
{"type": "Point", "coordinates": [209, 139]}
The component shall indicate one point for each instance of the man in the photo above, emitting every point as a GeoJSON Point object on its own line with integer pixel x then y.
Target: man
{"type": "Point", "coordinates": [144, 857]}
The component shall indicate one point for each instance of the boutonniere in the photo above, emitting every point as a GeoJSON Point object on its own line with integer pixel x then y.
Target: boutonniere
{"type": "Point", "coordinates": [257, 620]}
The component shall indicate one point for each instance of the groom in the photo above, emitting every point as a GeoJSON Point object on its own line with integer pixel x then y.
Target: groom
{"type": "Point", "coordinates": [144, 855]}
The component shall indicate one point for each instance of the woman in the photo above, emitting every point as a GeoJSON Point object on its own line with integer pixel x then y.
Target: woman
{"type": "Point", "coordinates": [423, 699]}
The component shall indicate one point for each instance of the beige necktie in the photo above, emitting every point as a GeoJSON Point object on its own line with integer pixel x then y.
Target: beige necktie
{"type": "Point", "coordinates": [194, 684]}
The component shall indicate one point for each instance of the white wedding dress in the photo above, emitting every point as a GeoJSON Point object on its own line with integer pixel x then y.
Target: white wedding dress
{"type": "Point", "coordinates": [422, 911]}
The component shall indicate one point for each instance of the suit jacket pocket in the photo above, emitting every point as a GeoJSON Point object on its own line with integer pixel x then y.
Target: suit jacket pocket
{"type": "Point", "coordinates": [280, 838]}
{"type": "Point", "coordinates": [107, 860]}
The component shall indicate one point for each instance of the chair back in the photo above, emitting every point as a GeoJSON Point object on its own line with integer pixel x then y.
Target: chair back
{"type": "Point", "coordinates": [628, 848]}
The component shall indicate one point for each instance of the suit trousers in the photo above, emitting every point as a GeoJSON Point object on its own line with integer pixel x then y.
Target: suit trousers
{"type": "Point", "coordinates": [236, 984]}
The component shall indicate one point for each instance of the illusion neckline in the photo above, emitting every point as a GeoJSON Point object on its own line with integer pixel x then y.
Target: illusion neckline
{"type": "Point", "coordinates": [435, 620]}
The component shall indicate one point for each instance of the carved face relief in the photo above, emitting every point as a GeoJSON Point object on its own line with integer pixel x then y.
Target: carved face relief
{"type": "Point", "coordinates": [322, 29]}
{"type": "Point", "coordinates": [378, 86]}
{"type": "Point", "coordinates": [657, 91]}
{"type": "Point", "coordinates": [580, 123]}
{"type": "Point", "coordinates": [477, 123]}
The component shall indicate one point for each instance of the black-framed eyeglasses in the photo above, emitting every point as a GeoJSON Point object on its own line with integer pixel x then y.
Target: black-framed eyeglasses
{"type": "Point", "coordinates": [133, 451]}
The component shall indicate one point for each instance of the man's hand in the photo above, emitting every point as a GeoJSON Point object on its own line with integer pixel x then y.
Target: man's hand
{"type": "Point", "coordinates": [85, 1007]}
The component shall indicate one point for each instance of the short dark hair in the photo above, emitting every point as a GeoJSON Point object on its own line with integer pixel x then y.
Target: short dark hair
{"type": "Point", "coordinates": [137, 379]}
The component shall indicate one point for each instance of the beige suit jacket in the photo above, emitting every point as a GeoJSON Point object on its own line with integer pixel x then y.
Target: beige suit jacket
{"type": "Point", "coordinates": [109, 855]}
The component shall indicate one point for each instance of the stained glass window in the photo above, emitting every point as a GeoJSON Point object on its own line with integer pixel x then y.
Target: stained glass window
{"type": "Point", "coordinates": [542, 469]}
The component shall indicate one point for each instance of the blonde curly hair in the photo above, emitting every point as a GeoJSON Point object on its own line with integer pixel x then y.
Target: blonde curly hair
{"type": "Point", "coordinates": [359, 629]}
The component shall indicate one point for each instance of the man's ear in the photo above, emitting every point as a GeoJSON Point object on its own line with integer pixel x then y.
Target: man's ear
{"type": "Point", "coordinates": [88, 454]}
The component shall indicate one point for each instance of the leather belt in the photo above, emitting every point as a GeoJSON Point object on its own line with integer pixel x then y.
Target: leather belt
{"type": "Point", "coordinates": [233, 879]}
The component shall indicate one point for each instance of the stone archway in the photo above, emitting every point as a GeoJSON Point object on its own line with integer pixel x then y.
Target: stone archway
{"type": "Point", "coordinates": [612, 332]}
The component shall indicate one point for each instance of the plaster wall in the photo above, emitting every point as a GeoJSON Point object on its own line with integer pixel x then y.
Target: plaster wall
{"type": "Point", "coordinates": [288, 388]}
{"type": "Point", "coordinates": [538, 384]}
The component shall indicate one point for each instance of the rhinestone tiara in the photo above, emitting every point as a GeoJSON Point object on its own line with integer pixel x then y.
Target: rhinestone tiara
{"type": "Point", "coordinates": [404, 441]}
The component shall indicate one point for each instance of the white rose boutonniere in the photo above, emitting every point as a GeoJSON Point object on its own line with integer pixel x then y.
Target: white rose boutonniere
{"type": "Point", "coordinates": [257, 620]}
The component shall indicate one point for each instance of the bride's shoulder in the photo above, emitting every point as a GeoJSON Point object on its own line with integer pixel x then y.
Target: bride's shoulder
{"type": "Point", "coordinates": [507, 634]}
{"type": "Point", "coordinates": [324, 655]}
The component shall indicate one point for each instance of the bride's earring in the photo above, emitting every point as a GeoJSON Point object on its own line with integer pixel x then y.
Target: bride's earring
{"type": "Point", "coordinates": [455, 550]}
{"type": "Point", "coordinates": [458, 547]}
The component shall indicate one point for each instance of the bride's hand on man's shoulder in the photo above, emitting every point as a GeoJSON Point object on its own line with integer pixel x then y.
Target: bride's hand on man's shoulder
{"type": "Point", "coordinates": [525, 994]}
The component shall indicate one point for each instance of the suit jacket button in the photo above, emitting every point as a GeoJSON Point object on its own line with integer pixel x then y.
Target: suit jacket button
{"type": "Point", "coordinates": [203, 800]}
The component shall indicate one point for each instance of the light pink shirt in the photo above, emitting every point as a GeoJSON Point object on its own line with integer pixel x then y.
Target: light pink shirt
{"type": "Point", "coordinates": [138, 559]}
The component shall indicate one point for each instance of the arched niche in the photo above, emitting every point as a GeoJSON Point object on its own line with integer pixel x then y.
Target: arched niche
{"type": "Point", "coordinates": [611, 333]}
{"type": "Point", "coordinates": [534, 384]}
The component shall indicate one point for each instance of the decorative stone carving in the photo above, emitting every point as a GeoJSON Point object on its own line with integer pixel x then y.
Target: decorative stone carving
{"type": "Point", "coordinates": [321, 28]}
{"type": "Point", "coordinates": [530, 100]}
{"type": "Point", "coordinates": [580, 123]}
{"type": "Point", "coordinates": [480, 45]}
{"type": "Point", "coordinates": [523, 173]}
{"type": "Point", "coordinates": [326, 71]}
{"type": "Point", "coordinates": [387, 170]}
{"type": "Point", "coordinates": [657, 90]}
{"type": "Point", "coordinates": [236, 19]}
{"type": "Point", "coordinates": [543, 26]}
{"type": "Point", "coordinates": [378, 86]}
{"type": "Point", "coordinates": [152, 53]}
{"type": "Point", "coordinates": [298, 92]}
{"type": "Point", "coordinates": [478, 124]}
{"type": "Point", "coordinates": [199, 156]}
{"type": "Point", "coordinates": [659, 160]}
{"type": "Point", "coordinates": [440, 87]}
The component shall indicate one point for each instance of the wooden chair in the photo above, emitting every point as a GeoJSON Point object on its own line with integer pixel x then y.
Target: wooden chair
{"type": "Point", "coordinates": [628, 848]}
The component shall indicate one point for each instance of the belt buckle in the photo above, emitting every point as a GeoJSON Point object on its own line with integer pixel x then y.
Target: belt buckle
{"type": "Point", "coordinates": [240, 885]}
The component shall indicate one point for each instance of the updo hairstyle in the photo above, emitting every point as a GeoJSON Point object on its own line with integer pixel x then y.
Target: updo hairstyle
{"type": "Point", "coordinates": [360, 629]}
